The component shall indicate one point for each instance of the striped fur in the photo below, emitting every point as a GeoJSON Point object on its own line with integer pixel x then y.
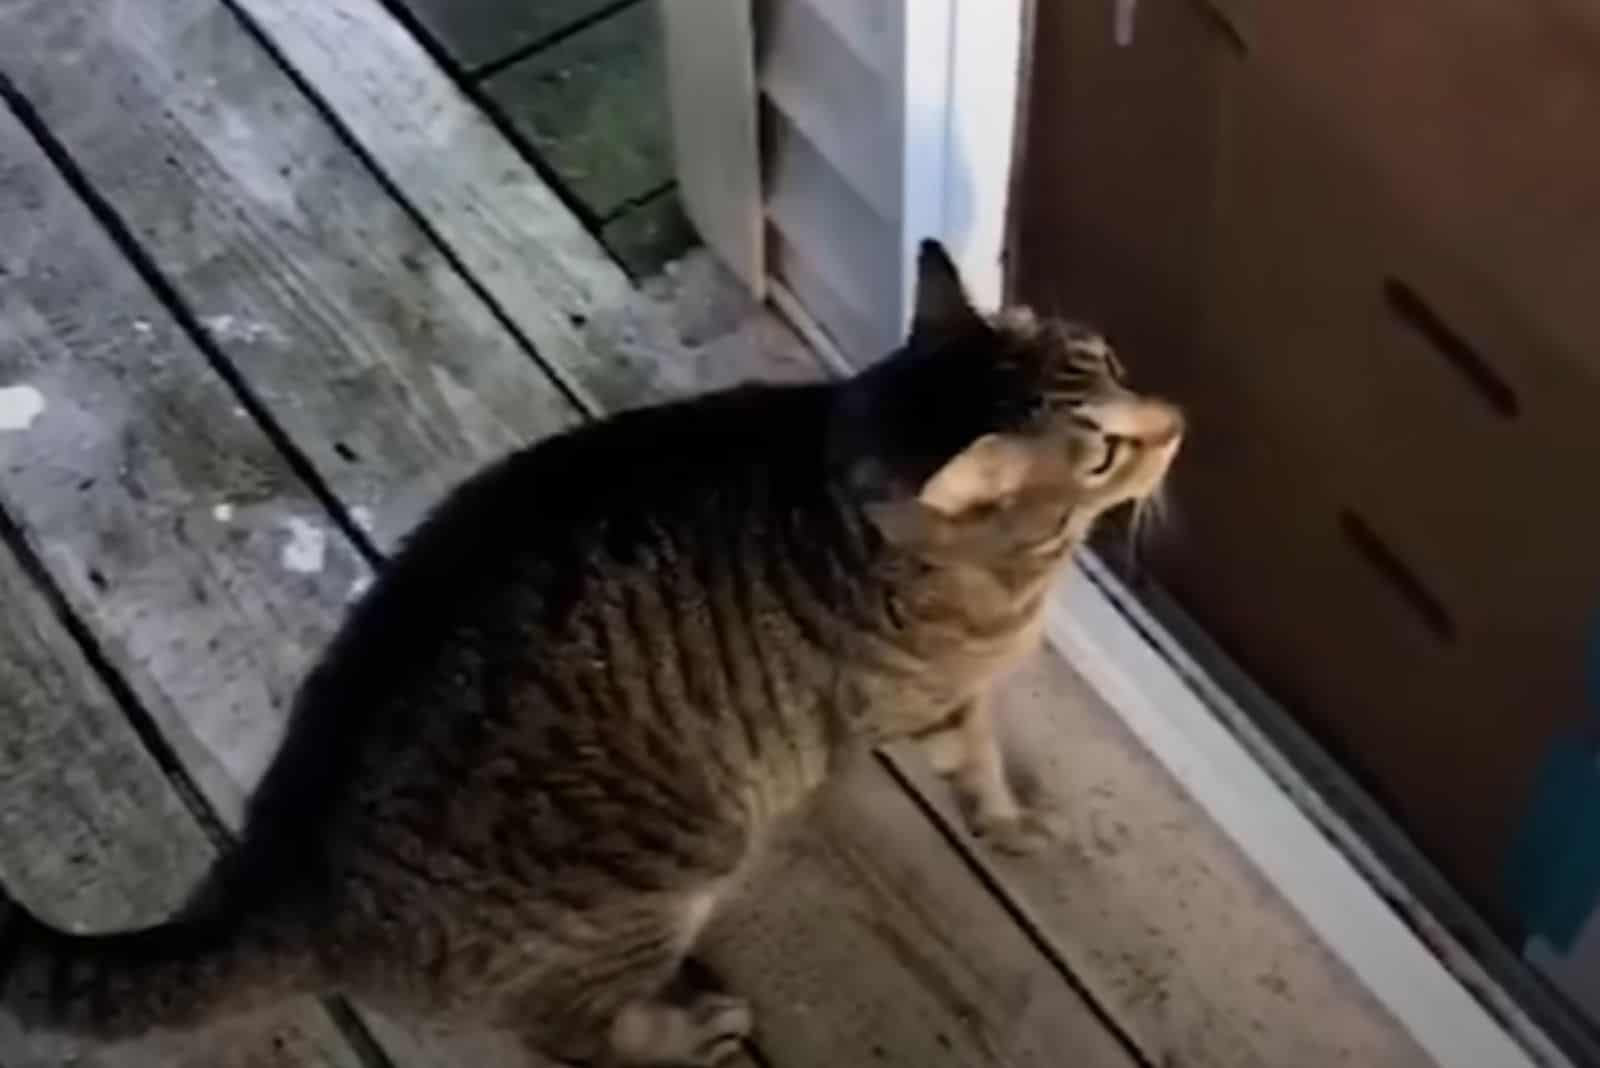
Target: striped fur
{"type": "Point", "coordinates": [540, 748]}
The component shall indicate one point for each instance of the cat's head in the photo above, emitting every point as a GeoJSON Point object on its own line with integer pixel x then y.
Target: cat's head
{"type": "Point", "coordinates": [1012, 423]}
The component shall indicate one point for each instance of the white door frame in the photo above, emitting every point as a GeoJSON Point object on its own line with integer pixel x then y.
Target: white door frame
{"type": "Point", "coordinates": [963, 63]}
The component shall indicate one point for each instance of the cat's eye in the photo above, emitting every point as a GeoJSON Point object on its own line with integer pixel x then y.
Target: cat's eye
{"type": "Point", "coordinates": [1113, 447]}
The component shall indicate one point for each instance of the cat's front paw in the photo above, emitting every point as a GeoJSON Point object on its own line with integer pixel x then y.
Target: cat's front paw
{"type": "Point", "coordinates": [702, 1033]}
{"type": "Point", "coordinates": [721, 1023]}
{"type": "Point", "coordinates": [1019, 834]}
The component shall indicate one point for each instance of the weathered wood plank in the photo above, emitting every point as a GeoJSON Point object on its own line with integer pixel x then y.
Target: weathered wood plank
{"type": "Point", "coordinates": [1155, 910]}
{"type": "Point", "coordinates": [163, 512]}
{"type": "Point", "coordinates": [477, 32]}
{"type": "Point", "coordinates": [711, 95]}
{"type": "Point", "coordinates": [721, 335]}
{"type": "Point", "coordinates": [217, 233]}
{"type": "Point", "coordinates": [387, 372]}
{"type": "Point", "coordinates": [594, 107]}
{"type": "Point", "coordinates": [348, 312]}
{"type": "Point", "coordinates": [93, 837]}
{"type": "Point", "coordinates": [91, 833]}
{"type": "Point", "coordinates": [648, 236]}
{"type": "Point", "coordinates": [863, 940]}
{"type": "Point", "coordinates": [549, 276]}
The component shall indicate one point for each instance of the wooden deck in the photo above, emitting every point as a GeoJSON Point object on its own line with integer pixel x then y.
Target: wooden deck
{"type": "Point", "coordinates": [578, 85]}
{"type": "Point", "coordinates": [270, 282]}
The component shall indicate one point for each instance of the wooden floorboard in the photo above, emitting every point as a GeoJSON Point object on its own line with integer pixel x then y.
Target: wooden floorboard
{"type": "Point", "coordinates": [863, 941]}
{"type": "Point", "coordinates": [91, 831]}
{"type": "Point", "coordinates": [359, 338]}
{"type": "Point", "coordinates": [345, 329]}
{"type": "Point", "coordinates": [175, 528]}
{"type": "Point", "coordinates": [594, 107]}
{"type": "Point", "coordinates": [477, 33]}
{"type": "Point", "coordinates": [1154, 909]}
{"type": "Point", "coordinates": [546, 273]}
{"type": "Point", "coordinates": [650, 235]}
{"type": "Point", "coordinates": [92, 834]}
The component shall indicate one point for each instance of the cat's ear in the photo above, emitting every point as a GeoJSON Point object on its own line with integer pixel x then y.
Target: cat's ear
{"type": "Point", "coordinates": [942, 304]}
{"type": "Point", "coordinates": [988, 471]}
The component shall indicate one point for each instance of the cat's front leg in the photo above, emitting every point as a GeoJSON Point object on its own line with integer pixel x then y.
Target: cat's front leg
{"type": "Point", "coordinates": [701, 1033]}
{"type": "Point", "coordinates": [702, 1030]}
{"type": "Point", "coordinates": [966, 751]}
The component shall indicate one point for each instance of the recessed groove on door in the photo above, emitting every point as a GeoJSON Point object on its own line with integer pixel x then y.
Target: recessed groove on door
{"type": "Point", "coordinates": [1407, 305]}
{"type": "Point", "coordinates": [1223, 25]}
{"type": "Point", "coordinates": [1399, 576]}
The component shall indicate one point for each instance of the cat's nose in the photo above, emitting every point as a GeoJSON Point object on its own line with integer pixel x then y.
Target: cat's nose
{"type": "Point", "coordinates": [1168, 423]}
{"type": "Point", "coordinates": [1148, 420]}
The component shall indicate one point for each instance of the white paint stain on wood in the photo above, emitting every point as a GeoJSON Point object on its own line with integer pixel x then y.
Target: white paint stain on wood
{"type": "Point", "coordinates": [457, 396]}
{"type": "Point", "coordinates": [306, 548]}
{"type": "Point", "coordinates": [232, 328]}
{"type": "Point", "coordinates": [19, 407]}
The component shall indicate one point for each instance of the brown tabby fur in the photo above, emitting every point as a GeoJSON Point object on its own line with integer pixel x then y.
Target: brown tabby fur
{"type": "Point", "coordinates": [515, 785]}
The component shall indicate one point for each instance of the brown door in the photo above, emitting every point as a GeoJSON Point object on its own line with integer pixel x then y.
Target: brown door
{"type": "Point", "coordinates": [1360, 241]}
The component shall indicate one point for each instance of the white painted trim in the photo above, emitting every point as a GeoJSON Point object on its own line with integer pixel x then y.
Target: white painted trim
{"type": "Point", "coordinates": [926, 63]}
{"type": "Point", "coordinates": [982, 128]}
{"type": "Point", "coordinates": [792, 311]}
{"type": "Point", "coordinates": [1091, 621]}
{"type": "Point", "coordinates": [961, 84]}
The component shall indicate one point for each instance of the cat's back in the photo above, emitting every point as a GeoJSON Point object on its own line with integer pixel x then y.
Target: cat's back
{"type": "Point", "coordinates": [495, 574]}
{"type": "Point", "coordinates": [619, 479]}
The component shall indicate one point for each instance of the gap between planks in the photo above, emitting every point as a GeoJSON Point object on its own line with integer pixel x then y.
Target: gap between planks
{"type": "Point", "coordinates": [39, 215]}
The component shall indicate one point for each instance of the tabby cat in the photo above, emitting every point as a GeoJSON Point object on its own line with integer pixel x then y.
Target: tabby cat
{"type": "Point", "coordinates": [517, 782]}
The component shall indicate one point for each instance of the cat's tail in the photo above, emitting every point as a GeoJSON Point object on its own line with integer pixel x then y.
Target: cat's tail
{"type": "Point", "coordinates": [174, 975]}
